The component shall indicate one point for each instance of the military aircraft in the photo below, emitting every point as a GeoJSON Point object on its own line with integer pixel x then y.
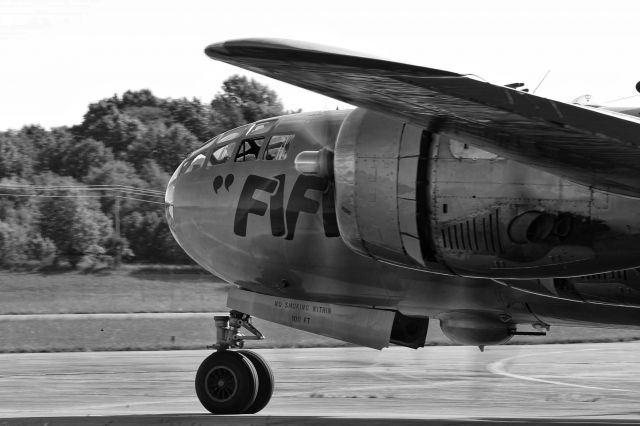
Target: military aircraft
{"type": "Point", "coordinates": [487, 208]}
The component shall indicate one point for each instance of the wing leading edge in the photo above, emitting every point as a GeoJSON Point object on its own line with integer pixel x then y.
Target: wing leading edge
{"type": "Point", "coordinates": [584, 145]}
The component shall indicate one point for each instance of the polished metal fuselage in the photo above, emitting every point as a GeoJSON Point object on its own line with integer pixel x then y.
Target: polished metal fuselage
{"type": "Point", "coordinates": [279, 245]}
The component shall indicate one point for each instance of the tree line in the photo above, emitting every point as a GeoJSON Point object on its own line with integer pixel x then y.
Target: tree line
{"type": "Point", "coordinates": [94, 190]}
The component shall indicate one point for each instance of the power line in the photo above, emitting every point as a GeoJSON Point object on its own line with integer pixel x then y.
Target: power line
{"type": "Point", "coordinates": [144, 194]}
{"type": "Point", "coordinates": [78, 186]}
{"type": "Point", "coordinates": [79, 196]}
{"type": "Point", "coordinates": [121, 191]}
{"type": "Point", "coordinates": [121, 188]}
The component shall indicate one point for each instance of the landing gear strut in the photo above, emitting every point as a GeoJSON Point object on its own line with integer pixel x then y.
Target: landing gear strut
{"type": "Point", "coordinates": [234, 382]}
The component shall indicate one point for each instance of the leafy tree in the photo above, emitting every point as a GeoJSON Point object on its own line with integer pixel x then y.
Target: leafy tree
{"type": "Point", "coordinates": [166, 248]}
{"type": "Point", "coordinates": [154, 175]}
{"type": "Point", "coordinates": [144, 106]}
{"type": "Point", "coordinates": [87, 154]}
{"type": "Point", "coordinates": [116, 130]}
{"type": "Point", "coordinates": [40, 248]}
{"type": "Point", "coordinates": [148, 115]}
{"type": "Point", "coordinates": [37, 136]}
{"type": "Point", "coordinates": [16, 208]}
{"type": "Point", "coordinates": [114, 173]}
{"type": "Point", "coordinates": [193, 115]}
{"type": "Point", "coordinates": [138, 98]}
{"type": "Point", "coordinates": [20, 237]}
{"type": "Point", "coordinates": [72, 225]}
{"type": "Point", "coordinates": [151, 239]}
{"type": "Point", "coordinates": [95, 112]}
{"type": "Point", "coordinates": [139, 229]}
{"type": "Point", "coordinates": [118, 246]}
{"type": "Point", "coordinates": [166, 146]}
{"type": "Point", "coordinates": [12, 161]}
{"type": "Point", "coordinates": [20, 241]}
{"type": "Point", "coordinates": [243, 101]}
{"type": "Point", "coordinates": [54, 156]}
{"type": "Point", "coordinates": [17, 154]}
{"type": "Point", "coordinates": [134, 140]}
{"type": "Point", "coordinates": [13, 244]}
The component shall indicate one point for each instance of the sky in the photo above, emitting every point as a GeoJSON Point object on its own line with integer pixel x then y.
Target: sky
{"type": "Point", "coordinates": [57, 56]}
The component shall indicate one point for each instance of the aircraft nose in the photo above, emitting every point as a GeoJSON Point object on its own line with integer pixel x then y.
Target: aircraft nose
{"type": "Point", "coordinates": [169, 195]}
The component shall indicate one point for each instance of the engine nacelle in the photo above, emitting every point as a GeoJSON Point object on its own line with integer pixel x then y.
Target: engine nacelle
{"type": "Point", "coordinates": [429, 199]}
{"type": "Point", "coordinates": [376, 163]}
{"type": "Point", "coordinates": [476, 328]}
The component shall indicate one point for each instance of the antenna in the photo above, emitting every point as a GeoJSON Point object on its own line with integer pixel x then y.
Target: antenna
{"type": "Point", "coordinates": [545, 76]}
{"type": "Point", "coordinates": [621, 99]}
{"type": "Point", "coordinates": [626, 97]}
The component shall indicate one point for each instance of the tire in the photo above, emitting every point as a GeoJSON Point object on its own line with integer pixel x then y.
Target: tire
{"type": "Point", "coordinates": [226, 383]}
{"type": "Point", "coordinates": [265, 381]}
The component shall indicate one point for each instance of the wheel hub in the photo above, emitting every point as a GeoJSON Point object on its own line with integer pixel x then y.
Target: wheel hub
{"type": "Point", "coordinates": [230, 382]}
{"type": "Point", "coordinates": [221, 384]}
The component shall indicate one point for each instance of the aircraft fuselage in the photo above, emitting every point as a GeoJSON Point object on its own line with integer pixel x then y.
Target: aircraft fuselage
{"type": "Point", "coordinates": [260, 224]}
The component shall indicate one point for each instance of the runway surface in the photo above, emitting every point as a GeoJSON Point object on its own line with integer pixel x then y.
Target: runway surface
{"type": "Point", "coordinates": [594, 383]}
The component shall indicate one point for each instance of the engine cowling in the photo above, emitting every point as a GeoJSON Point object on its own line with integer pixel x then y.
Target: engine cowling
{"type": "Point", "coordinates": [429, 199]}
{"type": "Point", "coordinates": [376, 165]}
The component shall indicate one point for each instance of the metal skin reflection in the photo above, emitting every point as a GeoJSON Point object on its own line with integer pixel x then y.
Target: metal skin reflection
{"type": "Point", "coordinates": [362, 225]}
{"type": "Point", "coordinates": [273, 225]}
{"type": "Point", "coordinates": [266, 228]}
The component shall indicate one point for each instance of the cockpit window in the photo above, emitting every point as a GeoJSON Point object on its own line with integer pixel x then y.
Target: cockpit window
{"type": "Point", "coordinates": [249, 149]}
{"type": "Point", "coordinates": [229, 136]}
{"type": "Point", "coordinates": [221, 154]}
{"type": "Point", "coordinates": [197, 159]}
{"type": "Point", "coordinates": [212, 141]}
{"type": "Point", "coordinates": [278, 147]}
{"type": "Point", "coordinates": [196, 163]}
{"type": "Point", "coordinates": [261, 127]}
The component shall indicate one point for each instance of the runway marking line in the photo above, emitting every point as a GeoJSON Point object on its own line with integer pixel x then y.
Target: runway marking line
{"type": "Point", "coordinates": [499, 368]}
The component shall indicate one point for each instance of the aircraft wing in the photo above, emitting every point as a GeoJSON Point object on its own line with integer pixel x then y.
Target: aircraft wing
{"type": "Point", "coordinates": [588, 146]}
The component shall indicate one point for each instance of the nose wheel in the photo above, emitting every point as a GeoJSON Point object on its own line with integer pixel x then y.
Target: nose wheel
{"type": "Point", "coordinates": [265, 381]}
{"type": "Point", "coordinates": [234, 382]}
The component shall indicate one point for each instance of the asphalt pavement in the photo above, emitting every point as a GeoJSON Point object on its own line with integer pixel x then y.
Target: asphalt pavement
{"type": "Point", "coordinates": [544, 384]}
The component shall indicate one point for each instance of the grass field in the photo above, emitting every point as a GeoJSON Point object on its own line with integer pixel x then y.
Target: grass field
{"type": "Point", "coordinates": [125, 290]}
{"type": "Point", "coordinates": [134, 290]}
{"type": "Point", "coordinates": [137, 334]}
{"type": "Point", "coordinates": [34, 335]}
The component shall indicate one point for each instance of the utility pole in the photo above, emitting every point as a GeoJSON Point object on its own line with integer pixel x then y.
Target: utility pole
{"type": "Point", "coordinates": [117, 226]}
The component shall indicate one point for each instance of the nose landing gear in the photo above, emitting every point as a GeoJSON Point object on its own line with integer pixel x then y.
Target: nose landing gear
{"type": "Point", "coordinates": [238, 382]}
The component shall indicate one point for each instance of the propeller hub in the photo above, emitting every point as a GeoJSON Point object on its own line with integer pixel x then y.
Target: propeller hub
{"type": "Point", "coordinates": [315, 163]}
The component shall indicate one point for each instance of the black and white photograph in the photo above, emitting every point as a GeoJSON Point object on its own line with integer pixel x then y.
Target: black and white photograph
{"type": "Point", "coordinates": [341, 213]}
